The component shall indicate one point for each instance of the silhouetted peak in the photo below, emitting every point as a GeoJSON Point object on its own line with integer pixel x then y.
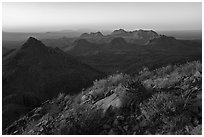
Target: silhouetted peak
{"type": "Point", "coordinates": [33, 42]}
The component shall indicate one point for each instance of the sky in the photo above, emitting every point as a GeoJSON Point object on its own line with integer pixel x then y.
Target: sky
{"type": "Point", "coordinates": [49, 16]}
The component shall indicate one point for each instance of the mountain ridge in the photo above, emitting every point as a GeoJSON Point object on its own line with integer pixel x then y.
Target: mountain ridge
{"type": "Point", "coordinates": [44, 71]}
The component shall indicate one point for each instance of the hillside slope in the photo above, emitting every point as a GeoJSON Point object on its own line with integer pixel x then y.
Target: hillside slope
{"type": "Point", "coordinates": [35, 73]}
{"type": "Point", "coordinates": [167, 100]}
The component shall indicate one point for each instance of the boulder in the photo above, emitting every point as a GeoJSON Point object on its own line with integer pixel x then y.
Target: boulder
{"type": "Point", "coordinates": [110, 101]}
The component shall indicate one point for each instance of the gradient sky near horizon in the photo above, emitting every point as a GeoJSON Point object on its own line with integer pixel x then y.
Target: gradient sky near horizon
{"type": "Point", "coordinates": [49, 16]}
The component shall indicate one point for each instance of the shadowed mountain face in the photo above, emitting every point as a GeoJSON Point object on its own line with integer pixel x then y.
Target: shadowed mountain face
{"type": "Point", "coordinates": [165, 42]}
{"type": "Point", "coordinates": [118, 43]}
{"type": "Point", "coordinates": [36, 71]}
{"type": "Point", "coordinates": [120, 54]}
{"type": "Point", "coordinates": [84, 47]}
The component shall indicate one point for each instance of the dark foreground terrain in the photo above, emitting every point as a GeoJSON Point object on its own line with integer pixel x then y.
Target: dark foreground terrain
{"type": "Point", "coordinates": [167, 100]}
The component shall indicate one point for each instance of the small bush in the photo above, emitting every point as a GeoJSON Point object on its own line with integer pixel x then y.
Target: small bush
{"type": "Point", "coordinates": [61, 96]}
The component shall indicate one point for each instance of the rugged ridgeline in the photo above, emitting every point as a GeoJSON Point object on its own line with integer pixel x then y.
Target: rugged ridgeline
{"type": "Point", "coordinates": [34, 73]}
{"type": "Point", "coordinates": [92, 35]}
{"type": "Point", "coordinates": [119, 54]}
{"type": "Point", "coordinates": [136, 36]}
{"type": "Point", "coordinates": [167, 100]}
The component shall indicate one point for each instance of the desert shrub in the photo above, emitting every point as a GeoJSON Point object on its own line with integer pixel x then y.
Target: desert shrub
{"type": "Point", "coordinates": [164, 112]}
{"type": "Point", "coordinates": [60, 96]}
{"type": "Point", "coordinates": [190, 68]}
{"type": "Point", "coordinates": [68, 98]}
{"type": "Point", "coordinates": [118, 78]}
{"type": "Point", "coordinates": [112, 80]}
{"type": "Point", "coordinates": [170, 75]}
{"type": "Point", "coordinates": [164, 71]}
{"type": "Point", "coordinates": [83, 121]}
{"type": "Point", "coordinates": [91, 122]}
{"type": "Point", "coordinates": [197, 130]}
{"type": "Point", "coordinates": [145, 74]}
{"type": "Point", "coordinates": [77, 98]}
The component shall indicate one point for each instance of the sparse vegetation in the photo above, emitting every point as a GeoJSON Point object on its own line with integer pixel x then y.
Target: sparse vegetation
{"type": "Point", "coordinates": [167, 100]}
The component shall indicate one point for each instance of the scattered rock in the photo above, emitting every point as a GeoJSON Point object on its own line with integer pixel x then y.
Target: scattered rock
{"type": "Point", "coordinates": [120, 118]}
{"type": "Point", "coordinates": [197, 74]}
{"type": "Point", "coordinates": [36, 117]}
{"type": "Point", "coordinates": [116, 122]}
{"type": "Point", "coordinates": [135, 128]}
{"type": "Point", "coordinates": [15, 132]}
{"type": "Point", "coordinates": [126, 127]}
{"type": "Point", "coordinates": [143, 123]}
{"type": "Point", "coordinates": [39, 124]}
{"type": "Point", "coordinates": [38, 110]}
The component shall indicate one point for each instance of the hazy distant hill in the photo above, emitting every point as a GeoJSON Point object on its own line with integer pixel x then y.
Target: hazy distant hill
{"type": "Point", "coordinates": [22, 36]}
{"type": "Point", "coordinates": [67, 37]}
{"type": "Point", "coordinates": [36, 71]}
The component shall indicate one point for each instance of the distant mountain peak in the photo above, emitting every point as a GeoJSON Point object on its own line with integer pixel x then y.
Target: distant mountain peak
{"type": "Point", "coordinates": [118, 32]}
{"type": "Point", "coordinates": [92, 34]}
{"type": "Point", "coordinates": [137, 34]}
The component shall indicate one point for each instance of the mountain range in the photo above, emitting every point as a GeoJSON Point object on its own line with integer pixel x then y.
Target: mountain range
{"type": "Point", "coordinates": [39, 70]}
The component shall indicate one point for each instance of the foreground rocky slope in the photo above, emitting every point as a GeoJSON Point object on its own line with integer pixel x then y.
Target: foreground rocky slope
{"type": "Point", "coordinates": [167, 100]}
